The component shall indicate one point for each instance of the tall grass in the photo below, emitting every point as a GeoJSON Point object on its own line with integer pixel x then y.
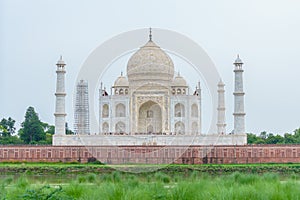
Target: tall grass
{"type": "Point", "coordinates": [157, 185]}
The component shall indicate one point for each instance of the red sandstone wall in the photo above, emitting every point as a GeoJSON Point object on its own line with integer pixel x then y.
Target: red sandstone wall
{"type": "Point", "coordinates": [154, 154]}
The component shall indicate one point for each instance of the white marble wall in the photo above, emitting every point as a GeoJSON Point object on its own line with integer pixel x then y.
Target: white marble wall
{"type": "Point", "coordinates": [112, 119]}
{"type": "Point", "coordinates": [187, 101]}
{"type": "Point", "coordinates": [127, 140]}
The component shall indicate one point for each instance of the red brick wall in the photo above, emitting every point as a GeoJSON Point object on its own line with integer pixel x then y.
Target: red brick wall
{"type": "Point", "coordinates": [154, 154]}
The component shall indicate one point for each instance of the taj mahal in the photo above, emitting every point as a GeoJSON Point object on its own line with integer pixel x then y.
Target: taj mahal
{"type": "Point", "coordinates": [150, 105]}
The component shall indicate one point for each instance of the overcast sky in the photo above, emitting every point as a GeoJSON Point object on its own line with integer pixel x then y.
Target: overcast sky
{"type": "Point", "coordinates": [266, 34]}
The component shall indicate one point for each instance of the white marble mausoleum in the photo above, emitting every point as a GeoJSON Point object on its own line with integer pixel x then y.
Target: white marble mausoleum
{"type": "Point", "coordinates": [153, 105]}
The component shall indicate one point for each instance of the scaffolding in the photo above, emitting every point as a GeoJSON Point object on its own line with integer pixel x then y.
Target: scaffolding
{"type": "Point", "coordinates": [81, 114]}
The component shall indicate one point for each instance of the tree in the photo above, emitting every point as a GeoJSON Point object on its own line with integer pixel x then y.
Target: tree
{"type": "Point", "coordinates": [49, 131]}
{"type": "Point", "coordinates": [263, 135]}
{"type": "Point", "coordinates": [270, 138]}
{"type": "Point", "coordinates": [289, 138]}
{"type": "Point", "coordinates": [32, 130]}
{"type": "Point", "coordinates": [260, 141]}
{"type": "Point", "coordinates": [3, 131]}
{"type": "Point", "coordinates": [297, 135]}
{"type": "Point", "coordinates": [48, 128]}
{"type": "Point", "coordinates": [10, 140]}
{"type": "Point", "coordinates": [68, 131]}
{"type": "Point", "coordinates": [254, 139]}
{"type": "Point", "coordinates": [251, 138]}
{"type": "Point", "coordinates": [7, 130]}
{"type": "Point", "coordinates": [274, 139]}
{"type": "Point", "coordinates": [7, 127]}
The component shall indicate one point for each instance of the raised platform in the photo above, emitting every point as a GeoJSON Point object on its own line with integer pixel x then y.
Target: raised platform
{"type": "Point", "coordinates": [148, 140]}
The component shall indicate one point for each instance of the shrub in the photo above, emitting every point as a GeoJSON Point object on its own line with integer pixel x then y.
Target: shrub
{"type": "Point", "coordinates": [116, 176]}
{"type": "Point", "coordinates": [91, 178]}
{"type": "Point", "coordinates": [93, 160]}
{"type": "Point", "coordinates": [74, 190]}
{"type": "Point", "coordinates": [81, 179]}
{"type": "Point", "coordinates": [272, 177]}
{"type": "Point", "coordinates": [22, 182]}
{"type": "Point", "coordinates": [162, 177]}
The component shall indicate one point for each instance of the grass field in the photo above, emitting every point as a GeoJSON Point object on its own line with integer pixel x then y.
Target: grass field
{"type": "Point", "coordinates": [82, 181]}
{"type": "Point", "coordinates": [158, 185]}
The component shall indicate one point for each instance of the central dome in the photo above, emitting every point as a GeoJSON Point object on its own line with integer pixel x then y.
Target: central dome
{"type": "Point", "coordinates": [150, 64]}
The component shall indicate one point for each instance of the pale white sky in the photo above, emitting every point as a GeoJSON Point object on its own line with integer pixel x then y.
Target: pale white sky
{"type": "Point", "coordinates": [34, 33]}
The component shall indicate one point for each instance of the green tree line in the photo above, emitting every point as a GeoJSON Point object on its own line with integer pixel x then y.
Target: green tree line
{"type": "Point", "coordinates": [32, 131]}
{"type": "Point", "coordinates": [270, 138]}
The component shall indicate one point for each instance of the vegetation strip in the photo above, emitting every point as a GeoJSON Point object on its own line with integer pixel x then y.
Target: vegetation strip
{"type": "Point", "coordinates": [157, 185]}
{"type": "Point", "coordinates": [59, 168]}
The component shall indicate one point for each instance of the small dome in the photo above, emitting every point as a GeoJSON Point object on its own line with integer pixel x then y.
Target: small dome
{"type": "Point", "coordinates": [121, 82]}
{"type": "Point", "coordinates": [179, 81]}
{"type": "Point", "coordinates": [150, 64]}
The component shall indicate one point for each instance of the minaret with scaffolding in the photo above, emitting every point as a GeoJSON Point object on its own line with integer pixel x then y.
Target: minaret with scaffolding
{"type": "Point", "coordinates": [81, 114]}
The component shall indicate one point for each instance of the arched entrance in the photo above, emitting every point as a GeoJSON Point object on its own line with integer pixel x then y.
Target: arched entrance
{"type": "Point", "coordinates": [150, 118]}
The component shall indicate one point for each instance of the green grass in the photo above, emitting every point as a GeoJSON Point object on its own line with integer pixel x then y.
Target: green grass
{"type": "Point", "coordinates": [90, 181]}
{"type": "Point", "coordinates": [159, 185]}
{"type": "Point", "coordinates": [65, 165]}
{"type": "Point", "coordinates": [170, 170]}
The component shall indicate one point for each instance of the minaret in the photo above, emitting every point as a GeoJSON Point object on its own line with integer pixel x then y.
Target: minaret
{"type": "Point", "coordinates": [60, 114]}
{"type": "Point", "coordinates": [239, 114]}
{"type": "Point", "coordinates": [221, 108]}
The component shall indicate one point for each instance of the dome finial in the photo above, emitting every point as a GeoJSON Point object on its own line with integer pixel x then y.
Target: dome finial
{"type": "Point", "coordinates": [238, 60]}
{"type": "Point", "coordinates": [150, 34]}
{"type": "Point", "coordinates": [221, 83]}
{"type": "Point", "coordinates": [60, 61]}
